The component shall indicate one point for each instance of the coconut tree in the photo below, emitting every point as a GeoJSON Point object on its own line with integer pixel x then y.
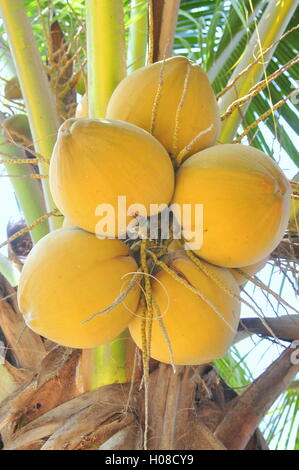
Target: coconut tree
{"type": "Point", "coordinates": [114, 396]}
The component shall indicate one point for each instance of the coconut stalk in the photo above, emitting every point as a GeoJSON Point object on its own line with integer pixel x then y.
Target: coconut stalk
{"type": "Point", "coordinates": [270, 27]}
{"type": "Point", "coordinates": [105, 52]}
{"type": "Point", "coordinates": [106, 60]}
{"type": "Point", "coordinates": [10, 273]}
{"type": "Point", "coordinates": [138, 32]}
{"type": "Point", "coordinates": [28, 191]}
{"type": "Point", "coordinates": [36, 91]}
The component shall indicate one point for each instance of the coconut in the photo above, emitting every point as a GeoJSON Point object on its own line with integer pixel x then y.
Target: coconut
{"type": "Point", "coordinates": [241, 279]}
{"type": "Point", "coordinates": [173, 100]}
{"type": "Point", "coordinates": [70, 275]}
{"type": "Point", "coordinates": [246, 203]}
{"type": "Point", "coordinates": [199, 328]}
{"type": "Point", "coordinates": [95, 161]}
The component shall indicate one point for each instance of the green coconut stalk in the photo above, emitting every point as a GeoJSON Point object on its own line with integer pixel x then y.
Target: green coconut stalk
{"type": "Point", "coordinates": [105, 52]}
{"type": "Point", "coordinates": [111, 363]}
{"type": "Point", "coordinates": [9, 272]}
{"type": "Point", "coordinates": [270, 27]}
{"type": "Point", "coordinates": [28, 191]}
{"type": "Point", "coordinates": [36, 91]}
{"type": "Point", "coordinates": [138, 33]}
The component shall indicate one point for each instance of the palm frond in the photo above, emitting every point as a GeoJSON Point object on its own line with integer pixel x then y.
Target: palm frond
{"type": "Point", "coordinates": [216, 34]}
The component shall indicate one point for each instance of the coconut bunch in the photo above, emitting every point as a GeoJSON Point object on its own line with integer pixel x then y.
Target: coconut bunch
{"type": "Point", "coordinates": [85, 283]}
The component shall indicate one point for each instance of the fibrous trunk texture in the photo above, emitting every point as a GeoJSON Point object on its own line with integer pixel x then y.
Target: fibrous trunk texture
{"type": "Point", "coordinates": [46, 406]}
{"type": "Point", "coordinates": [184, 411]}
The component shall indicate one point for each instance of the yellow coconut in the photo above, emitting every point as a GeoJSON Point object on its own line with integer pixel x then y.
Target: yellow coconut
{"type": "Point", "coordinates": [82, 108]}
{"type": "Point", "coordinates": [70, 275]}
{"type": "Point", "coordinates": [246, 203]}
{"type": "Point", "coordinates": [174, 100]}
{"type": "Point", "coordinates": [249, 270]}
{"type": "Point", "coordinates": [198, 332]}
{"type": "Point", "coordinates": [101, 169]}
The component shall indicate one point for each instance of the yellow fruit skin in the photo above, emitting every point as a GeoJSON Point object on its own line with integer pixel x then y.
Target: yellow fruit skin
{"type": "Point", "coordinates": [196, 333]}
{"type": "Point", "coordinates": [133, 100]}
{"type": "Point", "coordinates": [250, 270]}
{"type": "Point", "coordinates": [246, 203]}
{"type": "Point", "coordinates": [82, 108]}
{"type": "Point", "coordinates": [241, 279]}
{"type": "Point", "coordinates": [70, 275]}
{"type": "Point", "coordinates": [95, 161]}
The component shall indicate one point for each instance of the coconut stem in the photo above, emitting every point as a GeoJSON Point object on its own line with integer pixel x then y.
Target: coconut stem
{"type": "Point", "coordinates": [138, 31]}
{"type": "Point", "coordinates": [112, 363]}
{"type": "Point", "coordinates": [9, 272]}
{"type": "Point", "coordinates": [28, 191]}
{"type": "Point", "coordinates": [105, 52]}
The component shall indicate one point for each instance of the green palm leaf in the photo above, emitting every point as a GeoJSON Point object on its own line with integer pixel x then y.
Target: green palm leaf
{"type": "Point", "coordinates": [216, 34]}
